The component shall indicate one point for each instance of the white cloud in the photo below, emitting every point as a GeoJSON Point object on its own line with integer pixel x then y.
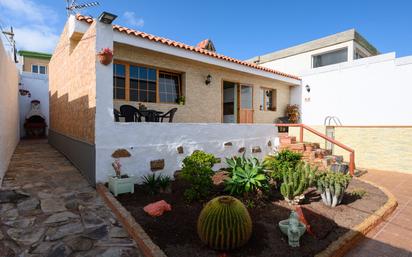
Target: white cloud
{"type": "Point", "coordinates": [34, 24]}
{"type": "Point", "coordinates": [132, 19]}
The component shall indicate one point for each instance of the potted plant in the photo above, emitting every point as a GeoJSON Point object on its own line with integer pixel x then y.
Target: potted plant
{"type": "Point", "coordinates": [105, 56]}
{"type": "Point", "coordinates": [181, 100]}
{"type": "Point", "coordinates": [292, 111]}
{"type": "Point", "coordinates": [120, 184]}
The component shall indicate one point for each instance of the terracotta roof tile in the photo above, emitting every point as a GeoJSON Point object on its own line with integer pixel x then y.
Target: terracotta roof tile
{"type": "Point", "coordinates": [187, 47]}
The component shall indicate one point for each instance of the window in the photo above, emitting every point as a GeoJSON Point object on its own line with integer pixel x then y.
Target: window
{"type": "Point", "coordinates": [169, 87]}
{"type": "Point", "coordinates": [119, 81]}
{"type": "Point", "coordinates": [330, 58]}
{"type": "Point", "coordinates": [145, 84]}
{"type": "Point", "coordinates": [39, 69]}
{"type": "Point", "coordinates": [268, 100]}
{"type": "Point", "coordinates": [246, 97]}
{"type": "Point", "coordinates": [359, 54]}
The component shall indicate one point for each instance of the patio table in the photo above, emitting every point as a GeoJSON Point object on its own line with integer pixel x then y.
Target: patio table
{"type": "Point", "coordinates": [151, 115]}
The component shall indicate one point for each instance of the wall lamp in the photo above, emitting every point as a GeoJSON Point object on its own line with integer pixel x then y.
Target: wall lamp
{"type": "Point", "coordinates": [107, 18]}
{"type": "Point", "coordinates": [307, 88]}
{"type": "Point", "coordinates": [208, 79]}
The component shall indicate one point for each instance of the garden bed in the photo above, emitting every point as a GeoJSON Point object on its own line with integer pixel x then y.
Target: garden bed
{"type": "Point", "coordinates": [175, 231]}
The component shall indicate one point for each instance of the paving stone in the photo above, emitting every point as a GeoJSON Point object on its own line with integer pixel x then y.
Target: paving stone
{"type": "Point", "coordinates": [11, 214]}
{"type": "Point", "coordinates": [60, 217]}
{"type": "Point", "coordinates": [52, 205]}
{"type": "Point", "coordinates": [56, 233]}
{"type": "Point", "coordinates": [118, 232]}
{"type": "Point", "coordinates": [96, 233]}
{"type": "Point", "coordinates": [21, 223]}
{"type": "Point", "coordinates": [1, 235]}
{"type": "Point", "coordinates": [44, 195]}
{"type": "Point", "coordinates": [80, 243]}
{"type": "Point", "coordinates": [6, 206]}
{"type": "Point", "coordinates": [72, 204]}
{"type": "Point", "coordinates": [11, 196]}
{"type": "Point", "coordinates": [9, 248]}
{"type": "Point", "coordinates": [90, 219]}
{"type": "Point", "coordinates": [24, 236]}
{"type": "Point", "coordinates": [42, 248]}
{"type": "Point", "coordinates": [28, 205]}
{"type": "Point", "coordinates": [59, 250]}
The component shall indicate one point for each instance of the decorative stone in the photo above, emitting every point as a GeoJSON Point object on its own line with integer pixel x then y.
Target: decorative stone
{"type": "Point", "coordinates": [157, 165]}
{"type": "Point", "coordinates": [24, 236]}
{"type": "Point", "coordinates": [180, 150]}
{"type": "Point", "coordinates": [256, 149]}
{"type": "Point", "coordinates": [52, 205]}
{"type": "Point", "coordinates": [59, 250]}
{"type": "Point", "coordinates": [227, 144]}
{"type": "Point", "coordinates": [64, 230]}
{"type": "Point", "coordinates": [242, 150]}
{"type": "Point", "coordinates": [28, 205]}
{"type": "Point", "coordinates": [96, 233]}
{"type": "Point", "coordinates": [220, 177]}
{"type": "Point", "coordinates": [121, 153]}
{"type": "Point", "coordinates": [80, 243]}
{"type": "Point", "coordinates": [118, 232]}
{"type": "Point", "coordinates": [269, 143]}
{"type": "Point", "coordinates": [60, 217]}
{"type": "Point", "coordinates": [157, 209]}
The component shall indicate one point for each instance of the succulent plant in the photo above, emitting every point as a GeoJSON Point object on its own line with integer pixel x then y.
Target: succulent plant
{"type": "Point", "coordinates": [296, 181]}
{"type": "Point", "coordinates": [224, 223]}
{"type": "Point", "coordinates": [332, 186]}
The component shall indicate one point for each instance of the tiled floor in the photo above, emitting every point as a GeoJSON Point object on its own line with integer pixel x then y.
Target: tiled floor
{"type": "Point", "coordinates": [393, 238]}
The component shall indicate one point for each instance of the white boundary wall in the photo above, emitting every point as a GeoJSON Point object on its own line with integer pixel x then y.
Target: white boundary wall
{"type": "Point", "coordinates": [370, 91]}
{"type": "Point", "coordinates": [9, 109]}
{"type": "Point", "coordinates": [153, 141]}
{"type": "Point", "coordinates": [38, 85]}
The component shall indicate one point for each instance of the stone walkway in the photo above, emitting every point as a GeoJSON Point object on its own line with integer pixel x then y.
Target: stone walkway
{"type": "Point", "coordinates": [48, 209]}
{"type": "Point", "coordinates": [393, 238]}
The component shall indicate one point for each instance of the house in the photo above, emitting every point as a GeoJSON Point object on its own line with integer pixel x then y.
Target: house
{"type": "Point", "coordinates": [354, 93]}
{"type": "Point", "coordinates": [34, 62]}
{"type": "Point", "coordinates": [156, 72]}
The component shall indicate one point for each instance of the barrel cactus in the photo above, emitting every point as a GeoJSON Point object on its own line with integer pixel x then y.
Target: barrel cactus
{"type": "Point", "coordinates": [332, 186]}
{"type": "Point", "coordinates": [224, 223]}
{"type": "Point", "coordinates": [296, 181]}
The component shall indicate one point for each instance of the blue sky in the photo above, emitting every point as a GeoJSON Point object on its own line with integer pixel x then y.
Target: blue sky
{"type": "Point", "coordinates": [241, 29]}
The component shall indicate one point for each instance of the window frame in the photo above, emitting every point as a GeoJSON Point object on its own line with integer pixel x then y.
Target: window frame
{"type": "Point", "coordinates": [38, 69]}
{"type": "Point", "coordinates": [158, 70]}
{"type": "Point", "coordinates": [263, 106]}
{"type": "Point", "coordinates": [329, 52]}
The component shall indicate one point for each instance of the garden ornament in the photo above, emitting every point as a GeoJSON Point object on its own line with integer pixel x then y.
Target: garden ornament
{"type": "Point", "coordinates": [293, 228]}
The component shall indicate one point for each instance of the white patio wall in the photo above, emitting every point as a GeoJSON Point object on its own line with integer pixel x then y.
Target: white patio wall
{"type": "Point", "coordinates": [9, 109]}
{"type": "Point", "coordinates": [369, 91]}
{"type": "Point", "coordinates": [38, 85]}
{"type": "Point", "coordinates": [153, 141]}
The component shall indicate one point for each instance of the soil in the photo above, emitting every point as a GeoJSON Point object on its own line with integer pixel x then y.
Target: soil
{"type": "Point", "coordinates": [175, 232]}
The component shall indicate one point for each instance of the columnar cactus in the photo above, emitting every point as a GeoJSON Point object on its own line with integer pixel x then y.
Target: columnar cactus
{"type": "Point", "coordinates": [295, 182]}
{"type": "Point", "coordinates": [332, 186]}
{"type": "Point", "coordinates": [224, 223]}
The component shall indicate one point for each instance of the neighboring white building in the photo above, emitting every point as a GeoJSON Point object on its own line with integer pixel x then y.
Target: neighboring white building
{"type": "Point", "coordinates": [343, 75]}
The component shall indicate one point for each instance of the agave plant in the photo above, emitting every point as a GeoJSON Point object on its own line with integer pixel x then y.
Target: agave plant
{"type": "Point", "coordinates": [247, 176]}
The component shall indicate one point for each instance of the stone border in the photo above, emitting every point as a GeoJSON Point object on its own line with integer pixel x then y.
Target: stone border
{"type": "Point", "coordinates": [144, 242]}
{"type": "Point", "coordinates": [346, 242]}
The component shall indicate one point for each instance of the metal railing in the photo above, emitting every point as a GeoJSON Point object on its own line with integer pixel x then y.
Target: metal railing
{"type": "Point", "coordinates": [329, 119]}
{"type": "Point", "coordinates": [333, 141]}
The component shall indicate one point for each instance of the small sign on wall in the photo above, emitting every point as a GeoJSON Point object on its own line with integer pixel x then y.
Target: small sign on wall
{"type": "Point", "coordinates": [307, 99]}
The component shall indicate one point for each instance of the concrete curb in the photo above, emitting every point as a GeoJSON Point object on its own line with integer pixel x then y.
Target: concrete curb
{"type": "Point", "coordinates": [144, 242]}
{"type": "Point", "coordinates": [346, 242]}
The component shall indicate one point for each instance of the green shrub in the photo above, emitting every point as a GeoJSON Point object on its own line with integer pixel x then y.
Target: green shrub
{"type": "Point", "coordinates": [154, 184]}
{"type": "Point", "coordinates": [197, 170]}
{"type": "Point", "coordinates": [246, 176]}
{"type": "Point", "coordinates": [285, 159]}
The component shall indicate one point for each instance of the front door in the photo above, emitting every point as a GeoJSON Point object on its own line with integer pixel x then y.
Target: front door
{"type": "Point", "coordinates": [237, 103]}
{"type": "Point", "coordinates": [245, 104]}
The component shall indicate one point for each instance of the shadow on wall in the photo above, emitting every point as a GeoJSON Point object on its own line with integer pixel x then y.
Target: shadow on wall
{"type": "Point", "coordinates": [71, 132]}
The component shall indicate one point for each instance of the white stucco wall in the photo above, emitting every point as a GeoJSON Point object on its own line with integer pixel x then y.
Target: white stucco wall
{"type": "Point", "coordinates": [38, 85]}
{"type": "Point", "coordinates": [299, 63]}
{"type": "Point", "coordinates": [153, 141]}
{"type": "Point", "coordinates": [9, 109]}
{"type": "Point", "coordinates": [369, 91]}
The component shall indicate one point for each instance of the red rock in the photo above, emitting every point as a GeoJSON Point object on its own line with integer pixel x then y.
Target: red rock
{"type": "Point", "coordinates": [157, 209]}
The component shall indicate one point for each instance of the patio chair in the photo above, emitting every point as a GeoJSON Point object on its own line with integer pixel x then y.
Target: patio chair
{"type": "Point", "coordinates": [130, 113]}
{"type": "Point", "coordinates": [117, 115]}
{"type": "Point", "coordinates": [168, 115]}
